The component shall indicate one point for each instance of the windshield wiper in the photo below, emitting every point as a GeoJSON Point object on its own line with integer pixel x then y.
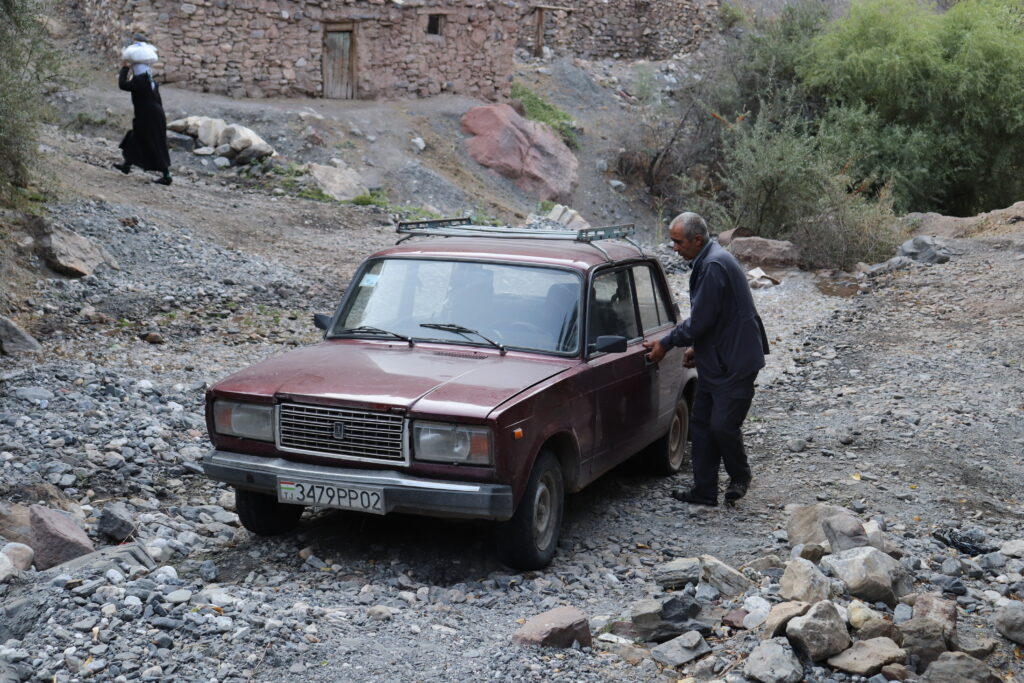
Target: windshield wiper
{"type": "Point", "coordinates": [465, 332]}
{"type": "Point", "coordinates": [369, 329]}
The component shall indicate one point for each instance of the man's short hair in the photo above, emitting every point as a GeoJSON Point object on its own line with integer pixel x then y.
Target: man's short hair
{"type": "Point", "coordinates": [692, 225]}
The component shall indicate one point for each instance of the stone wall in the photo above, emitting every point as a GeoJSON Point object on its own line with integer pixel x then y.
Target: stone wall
{"type": "Point", "coordinates": [649, 29]}
{"type": "Point", "coordinates": [263, 48]}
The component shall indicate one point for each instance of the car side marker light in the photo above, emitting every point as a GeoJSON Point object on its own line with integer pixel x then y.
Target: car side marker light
{"type": "Point", "coordinates": [517, 433]}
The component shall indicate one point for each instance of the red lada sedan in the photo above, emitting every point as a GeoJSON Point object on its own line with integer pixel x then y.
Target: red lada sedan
{"type": "Point", "coordinates": [471, 372]}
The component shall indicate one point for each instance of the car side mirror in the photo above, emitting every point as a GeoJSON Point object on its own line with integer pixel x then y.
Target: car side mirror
{"type": "Point", "coordinates": [322, 320]}
{"type": "Point", "coordinates": [610, 343]}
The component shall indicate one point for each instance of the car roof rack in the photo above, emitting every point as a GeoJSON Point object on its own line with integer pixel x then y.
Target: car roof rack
{"type": "Point", "coordinates": [464, 227]}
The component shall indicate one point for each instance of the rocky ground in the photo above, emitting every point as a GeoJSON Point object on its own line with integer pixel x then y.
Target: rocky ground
{"type": "Point", "coordinates": [899, 405]}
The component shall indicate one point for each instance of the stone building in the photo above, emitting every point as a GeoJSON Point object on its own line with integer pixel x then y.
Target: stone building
{"type": "Point", "coordinates": [382, 48]}
{"type": "Point", "coordinates": [330, 48]}
{"type": "Point", "coordinates": [648, 29]}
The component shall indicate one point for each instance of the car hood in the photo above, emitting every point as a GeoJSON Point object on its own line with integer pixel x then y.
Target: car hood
{"type": "Point", "coordinates": [430, 379]}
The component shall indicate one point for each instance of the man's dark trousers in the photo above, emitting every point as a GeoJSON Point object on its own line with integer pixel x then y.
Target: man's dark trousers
{"type": "Point", "coordinates": [717, 431]}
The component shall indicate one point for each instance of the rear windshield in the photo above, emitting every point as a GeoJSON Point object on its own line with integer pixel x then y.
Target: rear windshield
{"type": "Point", "coordinates": [521, 307]}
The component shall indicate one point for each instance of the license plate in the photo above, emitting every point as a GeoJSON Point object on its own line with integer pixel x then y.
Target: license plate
{"type": "Point", "coordinates": [359, 498]}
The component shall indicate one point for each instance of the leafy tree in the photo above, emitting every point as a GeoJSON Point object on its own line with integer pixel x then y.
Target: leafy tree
{"type": "Point", "coordinates": [28, 69]}
{"type": "Point", "coordinates": [933, 103]}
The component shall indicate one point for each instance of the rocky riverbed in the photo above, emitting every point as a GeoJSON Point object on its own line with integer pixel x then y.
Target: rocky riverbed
{"type": "Point", "coordinates": [897, 411]}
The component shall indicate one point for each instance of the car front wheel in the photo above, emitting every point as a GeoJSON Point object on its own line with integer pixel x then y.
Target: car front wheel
{"type": "Point", "coordinates": [262, 514]}
{"type": "Point", "coordinates": [528, 540]}
{"type": "Point", "coordinates": [668, 453]}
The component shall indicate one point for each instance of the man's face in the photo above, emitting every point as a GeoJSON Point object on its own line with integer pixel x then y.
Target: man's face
{"type": "Point", "coordinates": [687, 248]}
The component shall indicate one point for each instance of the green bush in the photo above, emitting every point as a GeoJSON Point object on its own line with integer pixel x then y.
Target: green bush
{"type": "Point", "coordinates": [29, 67]}
{"type": "Point", "coordinates": [949, 84]}
{"type": "Point", "coordinates": [537, 109]}
{"type": "Point", "coordinates": [783, 184]}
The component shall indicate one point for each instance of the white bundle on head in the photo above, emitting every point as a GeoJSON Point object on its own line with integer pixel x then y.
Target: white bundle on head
{"type": "Point", "coordinates": [140, 53]}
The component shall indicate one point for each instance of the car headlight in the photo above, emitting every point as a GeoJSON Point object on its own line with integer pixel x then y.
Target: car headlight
{"type": "Point", "coordinates": [247, 420]}
{"type": "Point", "coordinates": [446, 442]}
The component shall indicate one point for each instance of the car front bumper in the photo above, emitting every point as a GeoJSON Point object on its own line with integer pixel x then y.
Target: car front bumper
{"type": "Point", "coordinates": [402, 493]}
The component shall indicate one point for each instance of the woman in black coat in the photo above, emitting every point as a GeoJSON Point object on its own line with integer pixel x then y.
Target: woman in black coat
{"type": "Point", "coordinates": [145, 145]}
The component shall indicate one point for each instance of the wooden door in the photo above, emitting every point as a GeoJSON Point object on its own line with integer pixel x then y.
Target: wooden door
{"type": "Point", "coordinates": [339, 65]}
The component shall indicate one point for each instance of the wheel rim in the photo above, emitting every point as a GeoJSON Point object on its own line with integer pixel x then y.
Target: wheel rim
{"type": "Point", "coordinates": [677, 437]}
{"type": "Point", "coordinates": [544, 511]}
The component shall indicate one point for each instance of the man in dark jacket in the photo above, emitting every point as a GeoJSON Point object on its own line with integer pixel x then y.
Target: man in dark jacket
{"type": "Point", "coordinates": [727, 342]}
{"type": "Point", "coordinates": [145, 145]}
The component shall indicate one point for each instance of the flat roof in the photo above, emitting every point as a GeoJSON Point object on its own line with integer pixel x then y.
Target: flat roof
{"type": "Point", "coordinates": [560, 253]}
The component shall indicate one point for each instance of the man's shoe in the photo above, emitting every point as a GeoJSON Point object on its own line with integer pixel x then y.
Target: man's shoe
{"type": "Point", "coordinates": [691, 497]}
{"type": "Point", "coordinates": [736, 490]}
{"type": "Point", "coordinates": [123, 168]}
{"type": "Point", "coordinates": [164, 180]}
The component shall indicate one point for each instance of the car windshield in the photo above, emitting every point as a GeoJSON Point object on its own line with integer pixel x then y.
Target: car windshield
{"type": "Point", "coordinates": [461, 302]}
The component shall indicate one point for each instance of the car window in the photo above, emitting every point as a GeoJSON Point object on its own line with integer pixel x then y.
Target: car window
{"type": "Point", "coordinates": [653, 311]}
{"type": "Point", "coordinates": [525, 307]}
{"type": "Point", "coordinates": [611, 306]}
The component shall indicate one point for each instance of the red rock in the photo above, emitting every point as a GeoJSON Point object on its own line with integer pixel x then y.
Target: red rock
{"type": "Point", "coordinates": [735, 618]}
{"type": "Point", "coordinates": [559, 627]}
{"type": "Point", "coordinates": [55, 537]}
{"type": "Point", "coordinates": [529, 153]}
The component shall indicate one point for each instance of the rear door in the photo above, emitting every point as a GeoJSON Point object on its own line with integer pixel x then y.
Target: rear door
{"type": "Point", "coordinates": [656, 320]}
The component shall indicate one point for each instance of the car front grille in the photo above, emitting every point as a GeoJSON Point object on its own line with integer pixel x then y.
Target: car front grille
{"type": "Point", "coordinates": [342, 433]}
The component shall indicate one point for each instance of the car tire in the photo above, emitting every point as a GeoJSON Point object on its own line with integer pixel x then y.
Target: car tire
{"type": "Point", "coordinates": [667, 455]}
{"type": "Point", "coordinates": [263, 515]}
{"type": "Point", "coordinates": [528, 540]}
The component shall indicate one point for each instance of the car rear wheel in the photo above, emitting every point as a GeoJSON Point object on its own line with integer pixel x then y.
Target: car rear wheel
{"type": "Point", "coordinates": [262, 514]}
{"type": "Point", "coordinates": [668, 453]}
{"type": "Point", "coordinates": [529, 539]}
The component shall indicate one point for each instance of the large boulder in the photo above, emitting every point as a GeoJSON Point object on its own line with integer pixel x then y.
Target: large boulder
{"type": "Point", "coordinates": [560, 627]}
{"type": "Point", "coordinates": [758, 251]}
{"type": "Point", "coordinates": [528, 153]}
{"type": "Point", "coordinates": [340, 183]}
{"type": "Point", "coordinates": [13, 339]}
{"type": "Point", "coordinates": [209, 131]}
{"type": "Point", "coordinates": [244, 145]}
{"type": "Point", "coordinates": [869, 574]}
{"type": "Point", "coordinates": [820, 633]}
{"type": "Point", "coordinates": [56, 537]}
{"type": "Point", "coordinates": [69, 253]}
{"type": "Point", "coordinates": [926, 249]}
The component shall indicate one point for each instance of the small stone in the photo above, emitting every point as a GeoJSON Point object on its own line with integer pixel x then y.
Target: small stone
{"type": "Point", "coordinates": [957, 667]}
{"type": "Point", "coordinates": [680, 650]}
{"type": "Point", "coordinates": [678, 572]}
{"type": "Point", "coordinates": [867, 657]}
{"type": "Point", "coordinates": [1009, 621]}
{"type": "Point", "coordinates": [560, 627]}
{"type": "Point", "coordinates": [803, 582]}
{"type": "Point", "coordinates": [773, 661]}
{"type": "Point", "coordinates": [820, 633]}
{"type": "Point", "coordinates": [923, 638]}
{"type": "Point", "coordinates": [780, 615]}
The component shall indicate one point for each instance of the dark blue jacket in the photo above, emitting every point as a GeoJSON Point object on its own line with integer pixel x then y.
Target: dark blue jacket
{"type": "Point", "coordinates": [724, 329]}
